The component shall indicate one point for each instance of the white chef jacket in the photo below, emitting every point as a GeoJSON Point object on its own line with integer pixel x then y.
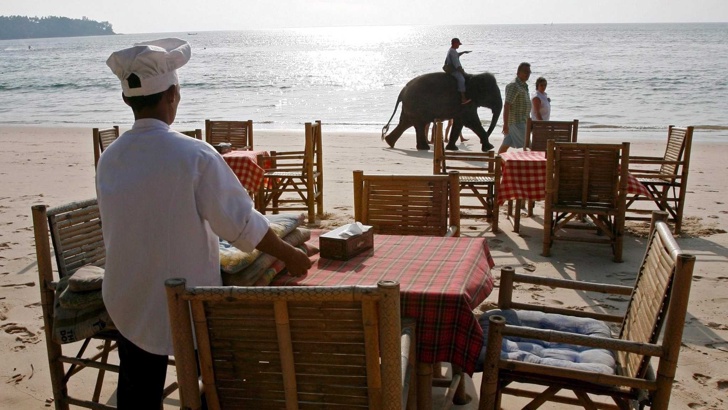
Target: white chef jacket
{"type": "Point", "coordinates": [164, 198]}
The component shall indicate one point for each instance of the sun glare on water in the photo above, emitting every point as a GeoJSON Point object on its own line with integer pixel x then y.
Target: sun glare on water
{"type": "Point", "coordinates": [360, 36]}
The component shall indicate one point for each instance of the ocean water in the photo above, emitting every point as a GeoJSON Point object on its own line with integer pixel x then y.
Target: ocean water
{"type": "Point", "coordinates": [621, 78]}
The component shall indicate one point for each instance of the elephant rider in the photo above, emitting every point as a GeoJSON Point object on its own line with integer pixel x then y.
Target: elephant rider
{"type": "Point", "coordinates": [453, 59]}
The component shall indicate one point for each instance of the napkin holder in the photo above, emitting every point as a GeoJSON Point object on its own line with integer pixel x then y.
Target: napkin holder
{"type": "Point", "coordinates": [333, 246]}
{"type": "Point", "coordinates": [223, 147]}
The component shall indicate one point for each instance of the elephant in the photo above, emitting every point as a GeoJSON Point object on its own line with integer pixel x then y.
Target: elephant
{"type": "Point", "coordinates": [435, 96]}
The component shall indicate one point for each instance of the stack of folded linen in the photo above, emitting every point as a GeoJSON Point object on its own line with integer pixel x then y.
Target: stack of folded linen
{"type": "Point", "coordinates": [257, 268]}
{"type": "Point", "coordinates": [78, 308]}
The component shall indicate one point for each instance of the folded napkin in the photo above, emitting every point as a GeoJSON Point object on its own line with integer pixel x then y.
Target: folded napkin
{"type": "Point", "coordinates": [233, 260]}
{"type": "Point", "coordinates": [252, 274]}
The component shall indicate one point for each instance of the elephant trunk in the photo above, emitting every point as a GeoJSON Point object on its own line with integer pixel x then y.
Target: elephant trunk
{"type": "Point", "coordinates": [494, 120]}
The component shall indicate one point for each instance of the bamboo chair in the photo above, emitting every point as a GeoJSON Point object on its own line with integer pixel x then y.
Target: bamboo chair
{"type": "Point", "coordinates": [102, 138]}
{"type": "Point", "coordinates": [479, 175]}
{"type": "Point", "coordinates": [295, 179]}
{"type": "Point", "coordinates": [237, 133]}
{"type": "Point", "coordinates": [74, 230]}
{"type": "Point", "coordinates": [425, 205]}
{"type": "Point", "coordinates": [292, 347]}
{"type": "Point", "coordinates": [660, 295]}
{"type": "Point", "coordinates": [665, 177]}
{"type": "Point", "coordinates": [586, 181]}
{"type": "Point", "coordinates": [538, 133]}
{"type": "Point", "coordinates": [196, 133]}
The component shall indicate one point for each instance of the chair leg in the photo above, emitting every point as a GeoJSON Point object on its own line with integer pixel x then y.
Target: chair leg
{"type": "Point", "coordinates": [320, 196]}
{"type": "Point", "coordinates": [100, 379]}
{"type": "Point", "coordinates": [60, 391]}
{"type": "Point", "coordinates": [311, 201]}
{"type": "Point", "coordinates": [547, 231]}
{"type": "Point", "coordinates": [618, 237]}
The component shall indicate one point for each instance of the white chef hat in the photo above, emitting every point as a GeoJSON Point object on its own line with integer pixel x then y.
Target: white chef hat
{"type": "Point", "coordinates": [154, 62]}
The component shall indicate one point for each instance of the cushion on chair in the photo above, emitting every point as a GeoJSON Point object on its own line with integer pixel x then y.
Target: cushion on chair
{"type": "Point", "coordinates": [86, 278]}
{"type": "Point", "coordinates": [233, 260]}
{"type": "Point", "coordinates": [71, 325]}
{"type": "Point", "coordinates": [548, 353]}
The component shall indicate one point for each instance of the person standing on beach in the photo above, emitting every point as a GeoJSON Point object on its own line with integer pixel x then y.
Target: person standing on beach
{"type": "Point", "coordinates": [453, 60]}
{"type": "Point", "coordinates": [516, 109]}
{"type": "Point", "coordinates": [164, 199]}
{"type": "Point", "coordinates": [541, 103]}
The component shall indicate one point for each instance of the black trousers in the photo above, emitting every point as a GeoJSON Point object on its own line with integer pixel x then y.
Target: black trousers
{"type": "Point", "coordinates": [141, 378]}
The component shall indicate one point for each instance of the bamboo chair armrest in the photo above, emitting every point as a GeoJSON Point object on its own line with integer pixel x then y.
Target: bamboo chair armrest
{"type": "Point", "coordinates": [554, 336]}
{"type": "Point", "coordinates": [647, 173]}
{"type": "Point", "coordinates": [653, 161]}
{"type": "Point", "coordinates": [509, 277]}
{"type": "Point", "coordinates": [644, 159]}
{"type": "Point", "coordinates": [638, 172]}
{"type": "Point", "coordinates": [274, 154]}
{"type": "Point", "coordinates": [572, 284]}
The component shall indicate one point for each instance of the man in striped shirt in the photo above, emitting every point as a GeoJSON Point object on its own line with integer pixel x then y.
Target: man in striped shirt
{"type": "Point", "coordinates": [516, 109]}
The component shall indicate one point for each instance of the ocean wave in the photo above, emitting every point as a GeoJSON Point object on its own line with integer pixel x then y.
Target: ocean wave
{"type": "Point", "coordinates": [56, 86]}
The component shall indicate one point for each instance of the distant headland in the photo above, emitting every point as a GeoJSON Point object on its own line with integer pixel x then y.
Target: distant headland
{"type": "Point", "coordinates": [16, 27]}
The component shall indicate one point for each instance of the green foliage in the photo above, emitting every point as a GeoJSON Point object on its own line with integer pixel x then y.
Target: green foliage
{"type": "Point", "coordinates": [13, 27]}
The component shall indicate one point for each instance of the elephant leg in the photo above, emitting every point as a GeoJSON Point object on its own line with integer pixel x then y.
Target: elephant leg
{"type": "Point", "coordinates": [422, 144]}
{"type": "Point", "coordinates": [397, 132]}
{"type": "Point", "coordinates": [477, 128]}
{"type": "Point", "coordinates": [455, 131]}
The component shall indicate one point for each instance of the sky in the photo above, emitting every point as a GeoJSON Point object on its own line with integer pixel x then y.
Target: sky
{"type": "Point", "coordinates": [156, 16]}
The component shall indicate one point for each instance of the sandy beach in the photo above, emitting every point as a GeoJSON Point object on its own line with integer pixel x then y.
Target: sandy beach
{"type": "Point", "coordinates": [55, 166]}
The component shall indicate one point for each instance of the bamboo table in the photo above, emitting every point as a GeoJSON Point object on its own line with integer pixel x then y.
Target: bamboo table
{"type": "Point", "coordinates": [441, 281]}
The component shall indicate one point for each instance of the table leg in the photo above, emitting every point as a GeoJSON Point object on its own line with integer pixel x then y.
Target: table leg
{"type": "Point", "coordinates": [517, 216]}
{"type": "Point", "coordinates": [460, 397]}
{"type": "Point", "coordinates": [424, 385]}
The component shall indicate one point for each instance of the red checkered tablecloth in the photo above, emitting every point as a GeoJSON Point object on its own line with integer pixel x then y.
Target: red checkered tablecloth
{"type": "Point", "coordinates": [245, 165]}
{"type": "Point", "coordinates": [524, 177]}
{"type": "Point", "coordinates": [441, 281]}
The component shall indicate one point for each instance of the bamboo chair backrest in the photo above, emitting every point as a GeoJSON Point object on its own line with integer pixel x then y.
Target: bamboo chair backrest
{"type": "Point", "coordinates": [425, 205]}
{"type": "Point", "coordinates": [538, 132]}
{"type": "Point", "coordinates": [196, 133]}
{"type": "Point", "coordinates": [75, 231]}
{"type": "Point", "coordinates": [677, 152]}
{"type": "Point", "coordinates": [308, 161]}
{"type": "Point", "coordinates": [271, 347]}
{"type": "Point", "coordinates": [469, 165]}
{"type": "Point", "coordinates": [655, 289]}
{"type": "Point", "coordinates": [102, 138]}
{"type": "Point", "coordinates": [238, 133]}
{"type": "Point", "coordinates": [586, 175]}
{"type": "Point", "coordinates": [107, 136]}
{"type": "Point", "coordinates": [313, 149]}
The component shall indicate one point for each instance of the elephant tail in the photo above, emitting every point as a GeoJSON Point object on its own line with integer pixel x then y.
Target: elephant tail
{"type": "Point", "coordinates": [386, 127]}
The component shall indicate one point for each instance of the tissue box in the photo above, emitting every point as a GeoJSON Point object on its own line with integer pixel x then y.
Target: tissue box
{"type": "Point", "coordinates": [331, 246]}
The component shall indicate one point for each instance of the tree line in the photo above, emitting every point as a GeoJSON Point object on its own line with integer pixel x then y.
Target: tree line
{"type": "Point", "coordinates": [14, 27]}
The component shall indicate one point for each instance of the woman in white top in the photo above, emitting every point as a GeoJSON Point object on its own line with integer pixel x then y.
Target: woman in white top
{"type": "Point", "coordinates": [540, 103]}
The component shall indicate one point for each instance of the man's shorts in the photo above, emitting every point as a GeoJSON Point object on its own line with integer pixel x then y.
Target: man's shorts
{"type": "Point", "coordinates": [516, 135]}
